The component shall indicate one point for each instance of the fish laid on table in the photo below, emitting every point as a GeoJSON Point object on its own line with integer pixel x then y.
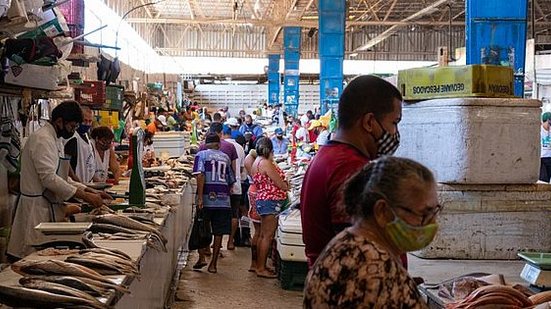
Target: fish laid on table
{"type": "Point", "coordinates": [17, 296]}
{"type": "Point", "coordinates": [73, 282]}
{"type": "Point", "coordinates": [55, 267]}
{"type": "Point", "coordinates": [55, 252]}
{"type": "Point", "coordinates": [105, 252]}
{"type": "Point", "coordinates": [89, 243]}
{"type": "Point", "coordinates": [111, 228]}
{"type": "Point", "coordinates": [102, 266]}
{"type": "Point", "coordinates": [138, 210]}
{"type": "Point", "coordinates": [129, 223]}
{"type": "Point", "coordinates": [61, 289]}
{"type": "Point", "coordinates": [103, 210]}
{"type": "Point", "coordinates": [114, 259]}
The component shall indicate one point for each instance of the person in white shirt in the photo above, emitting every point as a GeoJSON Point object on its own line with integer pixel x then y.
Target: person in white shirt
{"type": "Point", "coordinates": [236, 190]}
{"type": "Point", "coordinates": [80, 151]}
{"type": "Point", "coordinates": [545, 165]}
{"type": "Point", "coordinates": [106, 160]}
{"type": "Point", "coordinates": [302, 135]}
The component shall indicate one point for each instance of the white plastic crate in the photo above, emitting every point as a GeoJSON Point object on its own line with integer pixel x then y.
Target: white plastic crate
{"type": "Point", "coordinates": [172, 143]}
{"type": "Point", "coordinates": [474, 140]}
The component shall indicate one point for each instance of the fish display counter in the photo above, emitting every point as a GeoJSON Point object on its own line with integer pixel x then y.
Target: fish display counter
{"type": "Point", "coordinates": [131, 256]}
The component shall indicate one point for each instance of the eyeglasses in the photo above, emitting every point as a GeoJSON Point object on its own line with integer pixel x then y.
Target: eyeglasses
{"type": "Point", "coordinates": [425, 218]}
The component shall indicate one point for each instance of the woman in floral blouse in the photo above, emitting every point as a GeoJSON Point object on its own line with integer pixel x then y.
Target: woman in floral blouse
{"type": "Point", "coordinates": [394, 203]}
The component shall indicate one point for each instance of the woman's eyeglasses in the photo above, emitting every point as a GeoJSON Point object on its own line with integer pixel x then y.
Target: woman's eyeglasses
{"type": "Point", "coordinates": [425, 218]}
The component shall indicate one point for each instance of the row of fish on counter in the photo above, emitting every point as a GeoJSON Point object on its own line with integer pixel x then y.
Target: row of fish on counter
{"type": "Point", "coordinates": [81, 279]}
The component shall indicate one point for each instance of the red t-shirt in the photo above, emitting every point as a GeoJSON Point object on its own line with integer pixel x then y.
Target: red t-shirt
{"type": "Point", "coordinates": [322, 210]}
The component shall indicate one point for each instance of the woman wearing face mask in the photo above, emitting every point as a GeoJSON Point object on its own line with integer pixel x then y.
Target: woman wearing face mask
{"type": "Point", "coordinates": [106, 160]}
{"type": "Point", "coordinates": [394, 213]}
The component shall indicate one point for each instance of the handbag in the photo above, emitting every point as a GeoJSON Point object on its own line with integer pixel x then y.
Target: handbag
{"type": "Point", "coordinates": [201, 234]}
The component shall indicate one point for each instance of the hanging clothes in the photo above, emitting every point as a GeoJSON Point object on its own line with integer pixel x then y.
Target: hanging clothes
{"type": "Point", "coordinates": [102, 165]}
{"type": "Point", "coordinates": [10, 144]}
{"type": "Point", "coordinates": [43, 190]}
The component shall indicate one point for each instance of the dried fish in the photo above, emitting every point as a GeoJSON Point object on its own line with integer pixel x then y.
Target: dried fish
{"type": "Point", "coordinates": [16, 296]}
{"type": "Point", "coordinates": [89, 243]}
{"type": "Point", "coordinates": [61, 289]}
{"type": "Point", "coordinates": [129, 223]}
{"type": "Point", "coordinates": [55, 267]}
{"type": "Point", "coordinates": [55, 252]}
{"type": "Point", "coordinates": [110, 228]}
{"type": "Point", "coordinates": [105, 252]}
{"type": "Point", "coordinates": [102, 266]}
{"type": "Point", "coordinates": [73, 282]}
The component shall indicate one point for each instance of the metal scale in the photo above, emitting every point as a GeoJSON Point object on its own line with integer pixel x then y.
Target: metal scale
{"type": "Point", "coordinates": [537, 270]}
{"type": "Point", "coordinates": [61, 234]}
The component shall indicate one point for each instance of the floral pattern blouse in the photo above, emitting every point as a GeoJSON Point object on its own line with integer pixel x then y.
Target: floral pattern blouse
{"type": "Point", "coordinates": [355, 272]}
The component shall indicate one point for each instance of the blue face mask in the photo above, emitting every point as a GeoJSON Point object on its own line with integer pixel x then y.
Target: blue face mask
{"type": "Point", "coordinates": [83, 129]}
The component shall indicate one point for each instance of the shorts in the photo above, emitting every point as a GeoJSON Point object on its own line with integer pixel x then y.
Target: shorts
{"type": "Point", "coordinates": [269, 207]}
{"type": "Point", "coordinates": [220, 220]}
{"type": "Point", "coordinates": [235, 201]}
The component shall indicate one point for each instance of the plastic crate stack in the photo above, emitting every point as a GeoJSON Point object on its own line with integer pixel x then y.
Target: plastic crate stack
{"type": "Point", "coordinates": [91, 93]}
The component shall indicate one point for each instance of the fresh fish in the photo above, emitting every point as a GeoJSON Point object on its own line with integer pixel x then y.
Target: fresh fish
{"type": "Point", "coordinates": [112, 259]}
{"type": "Point", "coordinates": [55, 267]}
{"type": "Point", "coordinates": [72, 282]}
{"type": "Point", "coordinates": [89, 243]}
{"type": "Point", "coordinates": [105, 252]}
{"type": "Point", "coordinates": [144, 220]}
{"type": "Point", "coordinates": [55, 252]}
{"type": "Point", "coordinates": [104, 285]}
{"type": "Point", "coordinates": [103, 267]}
{"type": "Point", "coordinates": [129, 223]}
{"type": "Point", "coordinates": [135, 209]}
{"type": "Point", "coordinates": [61, 290]}
{"type": "Point", "coordinates": [110, 228]}
{"type": "Point", "coordinates": [16, 296]}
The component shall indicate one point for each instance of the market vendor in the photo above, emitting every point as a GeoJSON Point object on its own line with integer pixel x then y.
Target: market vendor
{"type": "Point", "coordinates": [79, 149]}
{"type": "Point", "coordinates": [320, 131]}
{"type": "Point", "coordinates": [106, 159]}
{"type": "Point", "coordinates": [280, 142]}
{"type": "Point", "coordinates": [44, 185]}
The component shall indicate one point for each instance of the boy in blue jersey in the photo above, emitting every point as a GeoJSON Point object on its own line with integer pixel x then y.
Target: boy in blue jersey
{"type": "Point", "coordinates": [214, 180]}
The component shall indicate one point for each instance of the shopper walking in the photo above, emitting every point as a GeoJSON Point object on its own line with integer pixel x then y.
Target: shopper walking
{"type": "Point", "coordinates": [369, 112]}
{"type": "Point", "coordinates": [271, 193]}
{"type": "Point", "coordinates": [394, 204]}
{"type": "Point", "coordinates": [214, 180]}
{"type": "Point", "coordinates": [545, 162]}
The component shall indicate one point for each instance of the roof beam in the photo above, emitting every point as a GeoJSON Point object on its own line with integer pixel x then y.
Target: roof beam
{"type": "Point", "coordinates": [390, 10]}
{"type": "Point", "coordinates": [191, 13]}
{"type": "Point", "coordinates": [147, 10]}
{"type": "Point", "coordinates": [285, 23]}
{"type": "Point", "coordinates": [387, 33]}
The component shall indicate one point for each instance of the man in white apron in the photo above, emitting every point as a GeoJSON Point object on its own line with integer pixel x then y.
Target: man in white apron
{"type": "Point", "coordinates": [79, 149]}
{"type": "Point", "coordinates": [43, 189]}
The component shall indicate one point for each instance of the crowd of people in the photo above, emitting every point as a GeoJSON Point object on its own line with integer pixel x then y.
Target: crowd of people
{"type": "Point", "coordinates": [362, 210]}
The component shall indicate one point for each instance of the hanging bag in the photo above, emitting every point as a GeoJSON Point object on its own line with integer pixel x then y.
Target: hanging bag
{"type": "Point", "coordinates": [201, 234]}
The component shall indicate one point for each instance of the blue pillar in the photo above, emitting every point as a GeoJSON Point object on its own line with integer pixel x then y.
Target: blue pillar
{"type": "Point", "coordinates": [291, 44]}
{"type": "Point", "coordinates": [273, 79]}
{"type": "Point", "coordinates": [496, 34]}
{"type": "Point", "coordinates": [331, 51]}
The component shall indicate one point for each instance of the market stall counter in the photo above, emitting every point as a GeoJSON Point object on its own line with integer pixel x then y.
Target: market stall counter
{"type": "Point", "coordinates": [153, 286]}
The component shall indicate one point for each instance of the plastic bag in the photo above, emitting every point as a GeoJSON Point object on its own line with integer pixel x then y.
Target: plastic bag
{"type": "Point", "coordinates": [201, 234]}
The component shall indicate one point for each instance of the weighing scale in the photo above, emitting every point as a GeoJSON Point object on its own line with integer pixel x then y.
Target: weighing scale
{"type": "Point", "coordinates": [537, 270]}
{"type": "Point", "coordinates": [61, 234]}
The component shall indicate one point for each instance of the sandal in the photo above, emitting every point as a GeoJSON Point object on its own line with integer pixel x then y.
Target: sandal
{"type": "Point", "coordinates": [199, 265]}
{"type": "Point", "coordinates": [267, 275]}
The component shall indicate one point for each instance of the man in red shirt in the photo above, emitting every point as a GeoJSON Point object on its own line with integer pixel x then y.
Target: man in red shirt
{"type": "Point", "coordinates": [370, 109]}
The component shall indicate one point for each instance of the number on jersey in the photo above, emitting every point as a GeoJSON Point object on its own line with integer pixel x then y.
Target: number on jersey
{"type": "Point", "coordinates": [218, 170]}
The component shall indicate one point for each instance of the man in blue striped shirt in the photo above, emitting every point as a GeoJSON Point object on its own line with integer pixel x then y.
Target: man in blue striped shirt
{"type": "Point", "coordinates": [214, 179]}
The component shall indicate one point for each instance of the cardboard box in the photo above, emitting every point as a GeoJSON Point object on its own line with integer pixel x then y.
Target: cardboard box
{"type": "Point", "coordinates": [456, 81]}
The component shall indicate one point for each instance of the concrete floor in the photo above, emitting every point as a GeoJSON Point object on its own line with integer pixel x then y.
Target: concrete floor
{"type": "Point", "coordinates": [234, 287]}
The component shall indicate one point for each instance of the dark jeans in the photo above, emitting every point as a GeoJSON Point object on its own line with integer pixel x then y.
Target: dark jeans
{"type": "Point", "coordinates": [545, 169]}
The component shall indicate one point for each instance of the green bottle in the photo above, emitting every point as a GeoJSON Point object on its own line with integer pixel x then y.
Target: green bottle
{"type": "Point", "coordinates": [193, 133]}
{"type": "Point", "coordinates": [137, 179]}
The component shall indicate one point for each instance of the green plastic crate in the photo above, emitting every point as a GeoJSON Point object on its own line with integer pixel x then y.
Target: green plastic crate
{"type": "Point", "coordinates": [114, 96]}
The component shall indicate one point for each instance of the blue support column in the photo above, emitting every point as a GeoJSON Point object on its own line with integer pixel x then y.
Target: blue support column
{"type": "Point", "coordinates": [273, 79]}
{"type": "Point", "coordinates": [496, 34]}
{"type": "Point", "coordinates": [291, 44]}
{"type": "Point", "coordinates": [331, 51]}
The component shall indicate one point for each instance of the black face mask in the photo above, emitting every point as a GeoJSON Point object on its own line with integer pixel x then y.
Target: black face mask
{"type": "Point", "coordinates": [64, 133]}
{"type": "Point", "coordinates": [279, 136]}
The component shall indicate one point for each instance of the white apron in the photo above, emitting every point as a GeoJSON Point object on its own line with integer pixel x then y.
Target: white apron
{"type": "Point", "coordinates": [40, 166]}
{"type": "Point", "coordinates": [102, 166]}
{"type": "Point", "coordinates": [86, 163]}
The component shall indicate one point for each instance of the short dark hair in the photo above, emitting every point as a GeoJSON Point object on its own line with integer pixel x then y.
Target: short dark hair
{"type": "Point", "coordinates": [68, 111]}
{"type": "Point", "coordinates": [216, 127]}
{"type": "Point", "coordinates": [240, 139]}
{"type": "Point", "coordinates": [216, 117]}
{"type": "Point", "coordinates": [366, 94]}
{"type": "Point", "coordinates": [212, 138]}
{"type": "Point", "coordinates": [102, 132]}
{"type": "Point", "coordinates": [264, 147]}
